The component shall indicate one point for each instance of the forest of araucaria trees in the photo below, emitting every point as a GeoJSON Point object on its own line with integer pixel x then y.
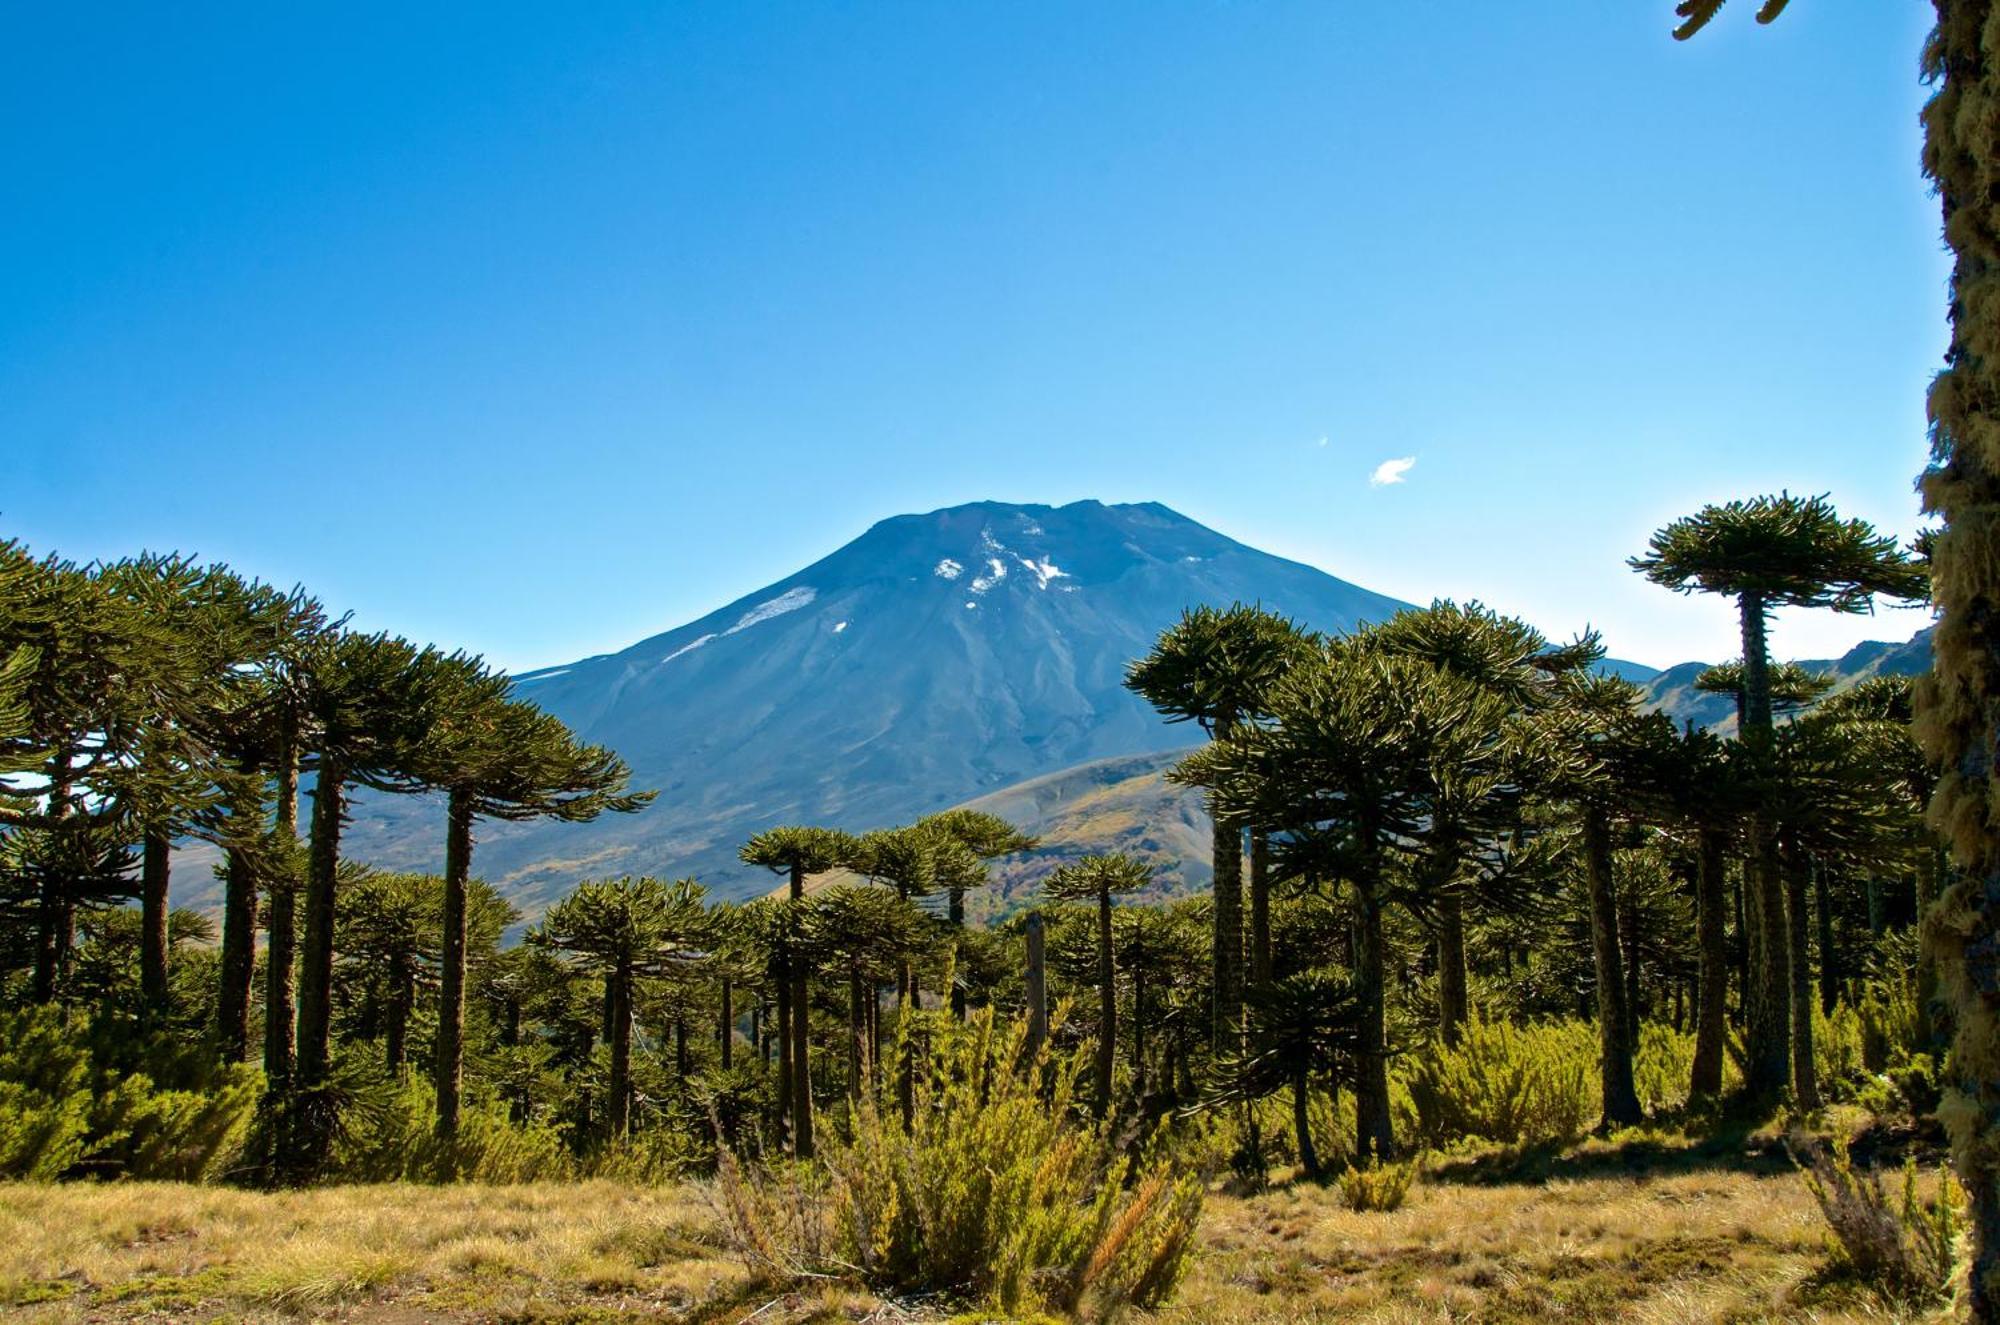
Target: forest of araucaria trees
{"type": "Point", "coordinates": [1466, 888]}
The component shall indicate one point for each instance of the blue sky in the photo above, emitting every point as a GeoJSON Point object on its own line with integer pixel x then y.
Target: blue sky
{"type": "Point", "coordinates": [536, 329]}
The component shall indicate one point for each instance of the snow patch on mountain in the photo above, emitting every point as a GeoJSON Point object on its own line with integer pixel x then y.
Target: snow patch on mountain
{"type": "Point", "coordinates": [1043, 570]}
{"type": "Point", "coordinates": [948, 569]}
{"type": "Point", "coordinates": [839, 626]}
{"type": "Point", "coordinates": [689, 647]}
{"type": "Point", "coordinates": [791, 600]}
{"type": "Point", "coordinates": [996, 572]}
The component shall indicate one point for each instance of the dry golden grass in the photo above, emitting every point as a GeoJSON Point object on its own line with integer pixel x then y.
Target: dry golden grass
{"type": "Point", "coordinates": [1591, 1242]}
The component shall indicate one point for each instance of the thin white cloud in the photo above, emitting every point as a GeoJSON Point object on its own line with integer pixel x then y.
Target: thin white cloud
{"type": "Point", "coordinates": [1322, 442]}
{"type": "Point", "coordinates": [1391, 471]}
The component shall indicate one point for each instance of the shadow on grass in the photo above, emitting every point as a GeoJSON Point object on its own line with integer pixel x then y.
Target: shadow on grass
{"type": "Point", "coordinates": [1740, 1143]}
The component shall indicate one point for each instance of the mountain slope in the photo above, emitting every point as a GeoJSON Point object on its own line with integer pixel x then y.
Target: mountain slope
{"type": "Point", "coordinates": [933, 659]}
{"type": "Point", "coordinates": [1673, 690]}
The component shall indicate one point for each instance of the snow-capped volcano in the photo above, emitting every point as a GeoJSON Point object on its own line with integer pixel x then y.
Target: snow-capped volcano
{"type": "Point", "coordinates": [934, 658]}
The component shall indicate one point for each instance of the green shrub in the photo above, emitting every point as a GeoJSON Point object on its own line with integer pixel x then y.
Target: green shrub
{"type": "Point", "coordinates": [1505, 1083]}
{"type": "Point", "coordinates": [1907, 1249]}
{"type": "Point", "coordinates": [1889, 1024]}
{"type": "Point", "coordinates": [60, 1112]}
{"type": "Point", "coordinates": [180, 1135]}
{"type": "Point", "coordinates": [1662, 1066]}
{"type": "Point", "coordinates": [997, 1191]}
{"type": "Point", "coordinates": [656, 1155]}
{"type": "Point", "coordinates": [46, 1101]}
{"type": "Point", "coordinates": [1838, 1060]}
{"type": "Point", "coordinates": [388, 1133]}
{"type": "Point", "coordinates": [1378, 1186]}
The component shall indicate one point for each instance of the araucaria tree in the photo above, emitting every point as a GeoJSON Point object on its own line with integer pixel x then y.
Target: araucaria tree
{"type": "Point", "coordinates": [496, 758]}
{"type": "Point", "coordinates": [626, 930]}
{"type": "Point", "coordinates": [1095, 879]}
{"type": "Point", "coordinates": [1363, 750]}
{"type": "Point", "coordinates": [1768, 553]}
{"type": "Point", "coordinates": [1214, 668]}
{"type": "Point", "coordinates": [797, 853]}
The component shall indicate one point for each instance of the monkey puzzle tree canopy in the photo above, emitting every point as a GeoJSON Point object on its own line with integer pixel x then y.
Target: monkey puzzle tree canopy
{"type": "Point", "coordinates": [1781, 551]}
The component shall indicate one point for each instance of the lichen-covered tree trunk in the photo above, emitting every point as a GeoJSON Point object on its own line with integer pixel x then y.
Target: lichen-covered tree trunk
{"type": "Point", "coordinates": [1614, 1048]}
{"type": "Point", "coordinates": [1829, 960]}
{"type": "Point", "coordinates": [1958, 710]}
{"type": "Point", "coordinates": [1712, 997]}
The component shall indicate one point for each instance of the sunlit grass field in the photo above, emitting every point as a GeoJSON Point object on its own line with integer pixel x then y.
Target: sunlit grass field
{"type": "Point", "coordinates": [1639, 1232]}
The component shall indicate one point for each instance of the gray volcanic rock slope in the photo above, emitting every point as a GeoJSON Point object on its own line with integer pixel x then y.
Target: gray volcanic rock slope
{"type": "Point", "coordinates": [933, 659]}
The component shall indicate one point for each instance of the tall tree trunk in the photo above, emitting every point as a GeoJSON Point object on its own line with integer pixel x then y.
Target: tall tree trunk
{"type": "Point", "coordinates": [1302, 1123]}
{"type": "Point", "coordinates": [1038, 985]}
{"type": "Point", "coordinates": [1628, 948]}
{"type": "Point", "coordinates": [726, 1040]}
{"type": "Point", "coordinates": [277, 1159]}
{"type": "Point", "coordinates": [1798, 959]}
{"type": "Point", "coordinates": [1141, 1080]}
{"type": "Point", "coordinates": [1452, 1009]}
{"type": "Point", "coordinates": [1260, 908]}
{"type": "Point", "coordinates": [237, 976]}
{"type": "Point", "coordinates": [956, 916]}
{"type": "Point", "coordinates": [1739, 951]}
{"type": "Point", "coordinates": [402, 998]}
{"type": "Point", "coordinates": [1374, 1133]}
{"type": "Point", "coordinates": [857, 1027]}
{"type": "Point", "coordinates": [1614, 1048]}
{"type": "Point", "coordinates": [154, 866]}
{"type": "Point", "coordinates": [802, 1101]}
{"type": "Point", "coordinates": [783, 1092]}
{"type": "Point", "coordinates": [1829, 963]}
{"type": "Point", "coordinates": [619, 1110]}
{"type": "Point", "coordinates": [448, 1065]}
{"type": "Point", "coordinates": [1878, 907]}
{"type": "Point", "coordinates": [54, 916]}
{"type": "Point", "coordinates": [316, 965]}
{"type": "Point", "coordinates": [1227, 951]}
{"type": "Point", "coordinates": [1712, 997]}
{"type": "Point", "coordinates": [1767, 1068]}
{"type": "Point", "coordinates": [1107, 1005]}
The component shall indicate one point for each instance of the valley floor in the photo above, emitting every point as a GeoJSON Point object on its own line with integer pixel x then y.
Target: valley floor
{"type": "Point", "coordinates": [1640, 1233]}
